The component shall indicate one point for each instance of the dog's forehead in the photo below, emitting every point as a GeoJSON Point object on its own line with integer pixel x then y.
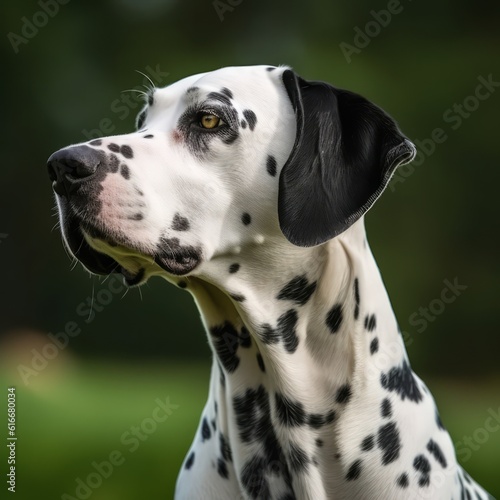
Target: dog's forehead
{"type": "Point", "coordinates": [237, 81]}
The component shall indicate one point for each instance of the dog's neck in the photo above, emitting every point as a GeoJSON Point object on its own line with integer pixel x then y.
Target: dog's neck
{"type": "Point", "coordinates": [305, 331]}
{"type": "Point", "coordinates": [338, 273]}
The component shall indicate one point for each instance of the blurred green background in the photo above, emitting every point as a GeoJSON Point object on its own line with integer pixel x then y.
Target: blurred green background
{"type": "Point", "coordinates": [64, 68]}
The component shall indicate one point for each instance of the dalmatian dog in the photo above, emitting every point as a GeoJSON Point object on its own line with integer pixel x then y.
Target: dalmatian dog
{"type": "Point", "coordinates": [247, 186]}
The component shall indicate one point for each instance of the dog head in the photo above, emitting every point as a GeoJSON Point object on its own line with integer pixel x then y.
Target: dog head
{"type": "Point", "coordinates": [223, 160]}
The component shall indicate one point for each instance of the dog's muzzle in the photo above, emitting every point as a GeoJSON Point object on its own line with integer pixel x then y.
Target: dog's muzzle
{"type": "Point", "coordinates": [70, 169]}
{"type": "Point", "coordinates": [76, 173]}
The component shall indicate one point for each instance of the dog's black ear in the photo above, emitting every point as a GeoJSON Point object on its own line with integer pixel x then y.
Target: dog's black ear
{"type": "Point", "coordinates": [346, 150]}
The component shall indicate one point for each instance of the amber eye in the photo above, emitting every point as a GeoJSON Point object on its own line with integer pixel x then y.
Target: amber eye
{"type": "Point", "coordinates": [210, 121]}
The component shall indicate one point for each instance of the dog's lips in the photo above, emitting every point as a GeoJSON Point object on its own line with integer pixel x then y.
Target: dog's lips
{"type": "Point", "coordinates": [95, 262]}
{"type": "Point", "coordinates": [170, 256]}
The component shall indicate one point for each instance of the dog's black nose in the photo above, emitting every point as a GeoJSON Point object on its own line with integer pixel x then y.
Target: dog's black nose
{"type": "Point", "coordinates": [68, 167]}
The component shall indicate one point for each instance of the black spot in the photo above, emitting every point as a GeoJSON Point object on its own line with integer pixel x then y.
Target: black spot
{"type": "Point", "coordinates": [334, 318]}
{"type": "Point", "coordinates": [260, 362]}
{"type": "Point", "coordinates": [226, 341]}
{"type": "Point", "coordinates": [206, 433]}
{"type": "Point", "coordinates": [319, 442]}
{"type": "Point", "coordinates": [253, 420]}
{"type": "Point", "coordinates": [151, 98]}
{"type": "Point", "coordinates": [226, 92]}
{"type": "Point", "coordinates": [253, 414]}
{"type": "Point", "coordinates": [113, 163]}
{"type": "Point", "coordinates": [180, 223]}
{"type": "Point", "coordinates": [298, 459]}
{"type": "Point", "coordinates": [222, 469]}
{"type": "Point", "coordinates": [316, 420]}
{"type": "Point", "coordinates": [225, 449]}
{"type": "Point", "coordinates": [386, 408]}
{"type": "Point", "coordinates": [290, 413]}
{"type": "Point", "coordinates": [96, 142]}
{"type": "Point", "coordinates": [149, 136]}
{"type": "Point", "coordinates": [370, 322]}
{"type": "Point", "coordinates": [330, 417]}
{"type": "Point", "coordinates": [436, 451]}
{"type": "Point", "coordinates": [422, 465]}
{"type": "Point", "coordinates": [250, 117]}
{"type": "Point", "coordinates": [253, 478]}
{"type": "Point", "coordinates": [271, 165]}
{"type": "Point", "coordinates": [182, 284]}
{"type": "Point", "coordinates": [125, 172]}
{"type": "Point", "coordinates": [191, 90]}
{"type": "Point", "coordinates": [343, 394]}
{"type": "Point", "coordinates": [270, 68]}
{"type": "Point", "coordinates": [403, 481]}
{"type": "Point", "coordinates": [137, 216]}
{"type": "Point", "coordinates": [127, 151]}
{"type": "Point", "coordinates": [114, 147]}
{"type": "Point", "coordinates": [269, 335]}
{"type": "Point", "coordinates": [285, 330]}
{"type": "Point", "coordinates": [234, 268]}
{"type": "Point", "coordinates": [388, 441]}
{"type": "Point", "coordinates": [243, 124]}
{"type": "Point", "coordinates": [368, 443]}
{"type": "Point", "coordinates": [356, 298]}
{"type": "Point", "coordinates": [189, 461]}
{"type": "Point", "coordinates": [354, 470]}
{"type": "Point", "coordinates": [374, 346]}
{"type": "Point", "coordinates": [237, 297]}
{"type": "Point", "coordinates": [299, 290]}
{"type": "Point", "coordinates": [245, 337]}
{"type": "Point", "coordinates": [214, 424]}
{"type": "Point", "coordinates": [246, 219]}
{"type": "Point", "coordinates": [286, 327]}
{"type": "Point", "coordinates": [400, 379]}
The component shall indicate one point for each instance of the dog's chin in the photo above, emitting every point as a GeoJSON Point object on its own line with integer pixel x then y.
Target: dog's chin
{"type": "Point", "coordinates": [103, 254]}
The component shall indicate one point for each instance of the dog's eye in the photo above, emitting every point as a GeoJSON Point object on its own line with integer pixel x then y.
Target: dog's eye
{"type": "Point", "coordinates": [209, 121]}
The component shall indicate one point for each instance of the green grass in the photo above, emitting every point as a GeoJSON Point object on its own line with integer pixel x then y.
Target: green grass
{"type": "Point", "coordinates": [71, 417]}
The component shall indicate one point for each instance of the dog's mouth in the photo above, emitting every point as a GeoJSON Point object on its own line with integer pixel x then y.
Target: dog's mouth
{"type": "Point", "coordinates": [105, 254]}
